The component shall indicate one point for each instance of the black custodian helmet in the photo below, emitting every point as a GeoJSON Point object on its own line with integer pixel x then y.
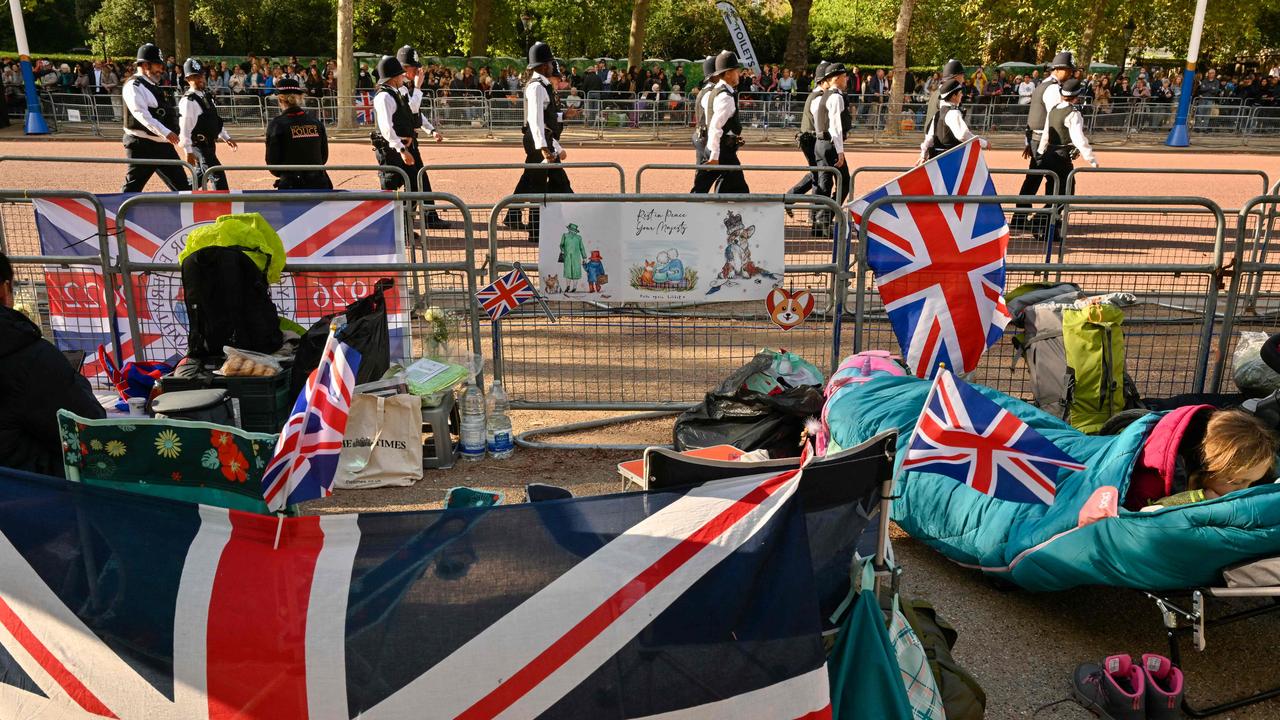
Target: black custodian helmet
{"type": "Point", "coordinates": [149, 53]}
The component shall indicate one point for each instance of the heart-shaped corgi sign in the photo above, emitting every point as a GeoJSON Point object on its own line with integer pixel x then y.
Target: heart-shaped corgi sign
{"type": "Point", "coordinates": [788, 308]}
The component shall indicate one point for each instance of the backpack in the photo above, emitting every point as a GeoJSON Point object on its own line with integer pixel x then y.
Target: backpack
{"type": "Point", "coordinates": [1097, 386]}
{"type": "Point", "coordinates": [228, 303]}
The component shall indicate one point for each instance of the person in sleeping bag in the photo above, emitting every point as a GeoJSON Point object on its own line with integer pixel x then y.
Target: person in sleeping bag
{"type": "Point", "coordinates": [1218, 452]}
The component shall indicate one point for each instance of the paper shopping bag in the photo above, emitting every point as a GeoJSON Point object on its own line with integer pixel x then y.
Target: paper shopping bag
{"type": "Point", "coordinates": [383, 443]}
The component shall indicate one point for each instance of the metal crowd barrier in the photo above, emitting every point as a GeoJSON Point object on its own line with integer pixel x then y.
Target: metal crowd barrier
{"type": "Point", "coordinates": [794, 169]}
{"type": "Point", "coordinates": [1256, 308]}
{"type": "Point", "coordinates": [191, 171]}
{"type": "Point", "coordinates": [1177, 301]}
{"type": "Point", "coordinates": [657, 356]}
{"type": "Point", "coordinates": [204, 180]}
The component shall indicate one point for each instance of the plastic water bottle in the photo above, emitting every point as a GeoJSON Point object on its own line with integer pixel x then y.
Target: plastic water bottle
{"type": "Point", "coordinates": [473, 425]}
{"type": "Point", "coordinates": [499, 438]}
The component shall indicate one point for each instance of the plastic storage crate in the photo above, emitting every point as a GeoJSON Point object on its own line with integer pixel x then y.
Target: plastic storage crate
{"type": "Point", "coordinates": [263, 402]}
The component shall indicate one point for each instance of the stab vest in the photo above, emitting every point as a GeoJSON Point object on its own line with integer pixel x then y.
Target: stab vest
{"type": "Point", "coordinates": [403, 120]}
{"type": "Point", "coordinates": [1037, 114]}
{"type": "Point", "coordinates": [208, 124]}
{"type": "Point", "coordinates": [806, 115]}
{"type": "Point", "coordinates": [166, 110]}
{"type": "Point", "coordinates": [1059, 137]}
{"type": "Point", "coordinates": [943, 138]}
{"type": "Point", "coordinates": [733, 124]}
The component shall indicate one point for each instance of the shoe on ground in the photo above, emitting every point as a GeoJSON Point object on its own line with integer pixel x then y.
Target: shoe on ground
{"type": "Point", "coordinates": [1164, 687]}
{"type": "Point", "coordinates": [435, 223]}
{"type": "Point", "coordinates": [514, 222]}
{"type": "Point", "coordinates": [1114, 690]}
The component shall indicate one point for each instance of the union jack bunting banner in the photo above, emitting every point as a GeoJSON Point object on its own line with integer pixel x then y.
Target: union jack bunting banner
{"type": "Point", "coordinates": [939, 267]}
{"type": "Point", "coordinates": [313, 232]}
{"type": "Point", "coordinates": [506, 294]}
{"type": "Point", "coordinates": [306, 457]}
{"type": "Point", "coordinates": [968, 437]}
{"type": "Point", "coordinates": [680, 604]}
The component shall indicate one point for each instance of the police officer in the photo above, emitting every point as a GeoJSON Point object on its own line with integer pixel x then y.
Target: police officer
{"type": "Point", "coordinates": [411, 91]}
{"type": "Point", "coordinates": [394, 137]}
{"type": "Point", "coordinates": [948, 129]}
{"type": "Point", "coordinates": [806, 138]}
{"type": "Point", "coordinates": [1063, 138]}
{"type": "Point", "coordinates": [830, 121]}
{"type": "Point", "coordinates": [703, 180]}
{"type": "Point", "coordinates": [542, 124]}
{"type": "Point", "coordinates": [200, 126]}
{"type": "Point", "coordinates": [1047, 95]}
{"type": "Point", "coordinates": [150, 125]}
{"type": "Point", "coordinates": [296, 137]}
{"type": "Point", "coordinates": [724, 129]}
{"type": "Point", "coordinates": [953, 70]}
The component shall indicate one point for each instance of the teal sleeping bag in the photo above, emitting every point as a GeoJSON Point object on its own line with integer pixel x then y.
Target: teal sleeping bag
{"type": "Point", "coordinates": [1069, 543]}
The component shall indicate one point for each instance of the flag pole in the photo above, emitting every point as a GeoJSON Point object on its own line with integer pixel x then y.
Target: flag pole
{"type": "Point", "coordinates": [537, 295]}
{"type": "Point", "coordinates": [35, 123]}
{"type": "Point", "coordinates": [1178, 136]}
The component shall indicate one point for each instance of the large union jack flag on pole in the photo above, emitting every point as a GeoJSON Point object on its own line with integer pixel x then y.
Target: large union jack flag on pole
{"type": "Point", "coordinates": [506, 294]}
{"type": "Point", "coordinates": [971, 439]}
{"type": "Point", "coordinates": [306, 456]}
{"type": "Point", "coordinates": [940, 266]}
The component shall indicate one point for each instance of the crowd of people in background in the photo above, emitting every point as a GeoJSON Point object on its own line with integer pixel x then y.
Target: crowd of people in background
{"type": "Point", "coordinates": [657, 88]}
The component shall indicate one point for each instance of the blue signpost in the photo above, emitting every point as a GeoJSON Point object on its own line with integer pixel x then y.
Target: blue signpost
{"type": "Point", "coordinates": [35, 124]}
{"type": "Point", "coordinates": [1178, 133]}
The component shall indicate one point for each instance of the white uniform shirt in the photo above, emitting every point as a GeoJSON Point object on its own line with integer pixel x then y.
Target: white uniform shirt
{"type": "Point", "coordinates": [955, 122]}
{"type": "Point", "coordinates": [189, 111]}
{"type": "Point", "coordinates": [717, 115]}
{"type": "Point", "coordinates": [139, 101]}
{"type": "Point", "coordinates": [384, 106]}
{"type": "Point", "coordinates": [414, 97]}
{"type": "Point", "coordinates": [1075, 128]}
{"type": "Point", "coordinates": [835, 106]}
{"type": "Point", "coordinates": [535, 102]}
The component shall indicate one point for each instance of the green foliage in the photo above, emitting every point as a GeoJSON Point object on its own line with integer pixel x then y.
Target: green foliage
{"type": "Point", "coordinates": [267, 27]}
{"type": "Point", "coordinates": [120, 26]}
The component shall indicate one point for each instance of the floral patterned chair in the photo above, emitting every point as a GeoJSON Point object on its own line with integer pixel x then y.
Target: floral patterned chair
{"type": "Point", "coordinates": [190, 461]}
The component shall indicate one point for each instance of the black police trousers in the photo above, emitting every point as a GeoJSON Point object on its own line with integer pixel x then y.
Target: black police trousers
{"type": "Point", "coordinates": [207, 157]}
{"type": "Point", "coordinates": [393, 181]}
{"type": "Point", "coordinates": [807, 141]}
{"type": "Point", "coordinates": [730, 181]}
{"type": "Point", "coordinates": [318, 180]}
{"type": "Point", "coordinates": [825, 152]}
{"type": "Point", "coordinates": [536, 181]}
{"type": "Point", "coordinates": [135, 179]}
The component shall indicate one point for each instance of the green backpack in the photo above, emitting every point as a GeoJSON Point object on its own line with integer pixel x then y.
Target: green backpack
{"type": "Point", "coordinates": [1096, 381]}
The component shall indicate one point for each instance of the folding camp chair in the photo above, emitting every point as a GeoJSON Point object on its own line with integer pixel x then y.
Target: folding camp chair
{"type": "Point", "coordinates": [1259, 580]}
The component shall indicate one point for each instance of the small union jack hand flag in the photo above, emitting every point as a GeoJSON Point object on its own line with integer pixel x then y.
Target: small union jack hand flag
{"type": "Point", "coordinates": [969, 438]}
{"type": "Point", "coordinates": [506, 294]}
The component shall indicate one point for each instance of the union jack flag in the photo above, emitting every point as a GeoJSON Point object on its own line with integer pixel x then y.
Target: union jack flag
{"type": "Point", "coordinates": [971, 439]}
{"type": "Point", "coordinates": [940, 267]}
{"type": "Point", "coordinates": [306, 456]}
{"type": "Point", "coordinates": [364, 109]}
{"type": "Point", "coordinates": [506, 294]}
{"type": "Point", "coordinates": [161, 610]}
{"type": "Point", "coordinates": [313, 232]}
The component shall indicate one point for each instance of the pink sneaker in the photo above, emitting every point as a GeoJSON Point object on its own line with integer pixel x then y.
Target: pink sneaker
{"type": "Point", "coordinates": [1164, 687]}
{"type": "Point", "coordinates": [1114, 690]}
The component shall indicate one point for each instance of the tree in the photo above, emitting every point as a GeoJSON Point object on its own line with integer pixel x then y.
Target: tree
{"type": "Point", "coordinates": [901, 33]}
{"type": "Point", "coordinates": [481, 20]}
{"type": "Point", "coordinates": [797, 55]}
{"type": "Point", "coordinates": [120, 26]}
{"type": "Point", "coordinates": [346, 61]}
{"type": "Point", "coordinates": [635, 44]}
{"type": "Point", "coordinates": [163, 14]}
{"type": "Point", "coordinates": [182, 29]}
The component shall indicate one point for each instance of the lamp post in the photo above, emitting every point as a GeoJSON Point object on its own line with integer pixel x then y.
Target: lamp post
{"type": "Point", "coordinates": [35, 124]}
{"type": "Point", "coordinates": [1178, 133]}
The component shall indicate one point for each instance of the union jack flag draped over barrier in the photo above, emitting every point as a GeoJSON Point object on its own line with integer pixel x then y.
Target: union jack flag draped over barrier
{"type": "Point", "coordinates": [306, 457]}
{"type": "Point", "coordinates": [313, 232]}
{"type": "Point", "coordinates": [970, 438]}
{"type": "Point", "coordinates": [692, 603]}
{"type": "Point", "coordinates": [505, 294]}
{"type": "Point", "coordinates": [939, 267]}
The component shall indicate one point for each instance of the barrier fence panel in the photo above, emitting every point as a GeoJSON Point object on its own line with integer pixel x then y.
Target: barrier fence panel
{"type": "Point", "coordinates": [245, 111]}
{"type": "Point", "coordinates": [368, 174]}
{"type": "Point", "coordinates": [656, 355]}
{"type": "Point", "coordinates": [75, 112]}
{"type": "Point", "coordinates": [1253, 296]}
{"type": "Point", "coordinates": [689, 169]}
{"type": "Point", "coordinates": [67, 295]}
{"type": "Point", "coordinates": [308, 291]}
{"type": "Point", "coordinates": [191, 171]}
{"type": "Point", "coordinates": [1168, 333]}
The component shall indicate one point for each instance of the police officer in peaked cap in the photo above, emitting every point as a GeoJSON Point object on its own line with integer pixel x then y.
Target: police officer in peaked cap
{"type": "Point", "coordinates": [724, 130]}
{"type": "Point", "coordinates": [411, 91]}
{"type": "Point", "coordinates": [150, 125]}
{"type": "Point", "coordinates": [296, 137]}
{"type": "Point", "coordinates": [200, 125]}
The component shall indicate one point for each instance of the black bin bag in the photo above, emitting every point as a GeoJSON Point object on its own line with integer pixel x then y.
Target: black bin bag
{"type": "Point", "coordinates": [366, 331]}
{"type": "Point", "coordinates": [748, 420]}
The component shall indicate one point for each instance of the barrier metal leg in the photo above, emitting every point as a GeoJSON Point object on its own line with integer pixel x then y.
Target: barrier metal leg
{"type": "Point", "coordinates": [523, 440]}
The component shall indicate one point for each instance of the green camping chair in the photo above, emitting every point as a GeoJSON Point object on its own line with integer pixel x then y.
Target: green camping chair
{"type": "Point", "coordinates": [178, 459]}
